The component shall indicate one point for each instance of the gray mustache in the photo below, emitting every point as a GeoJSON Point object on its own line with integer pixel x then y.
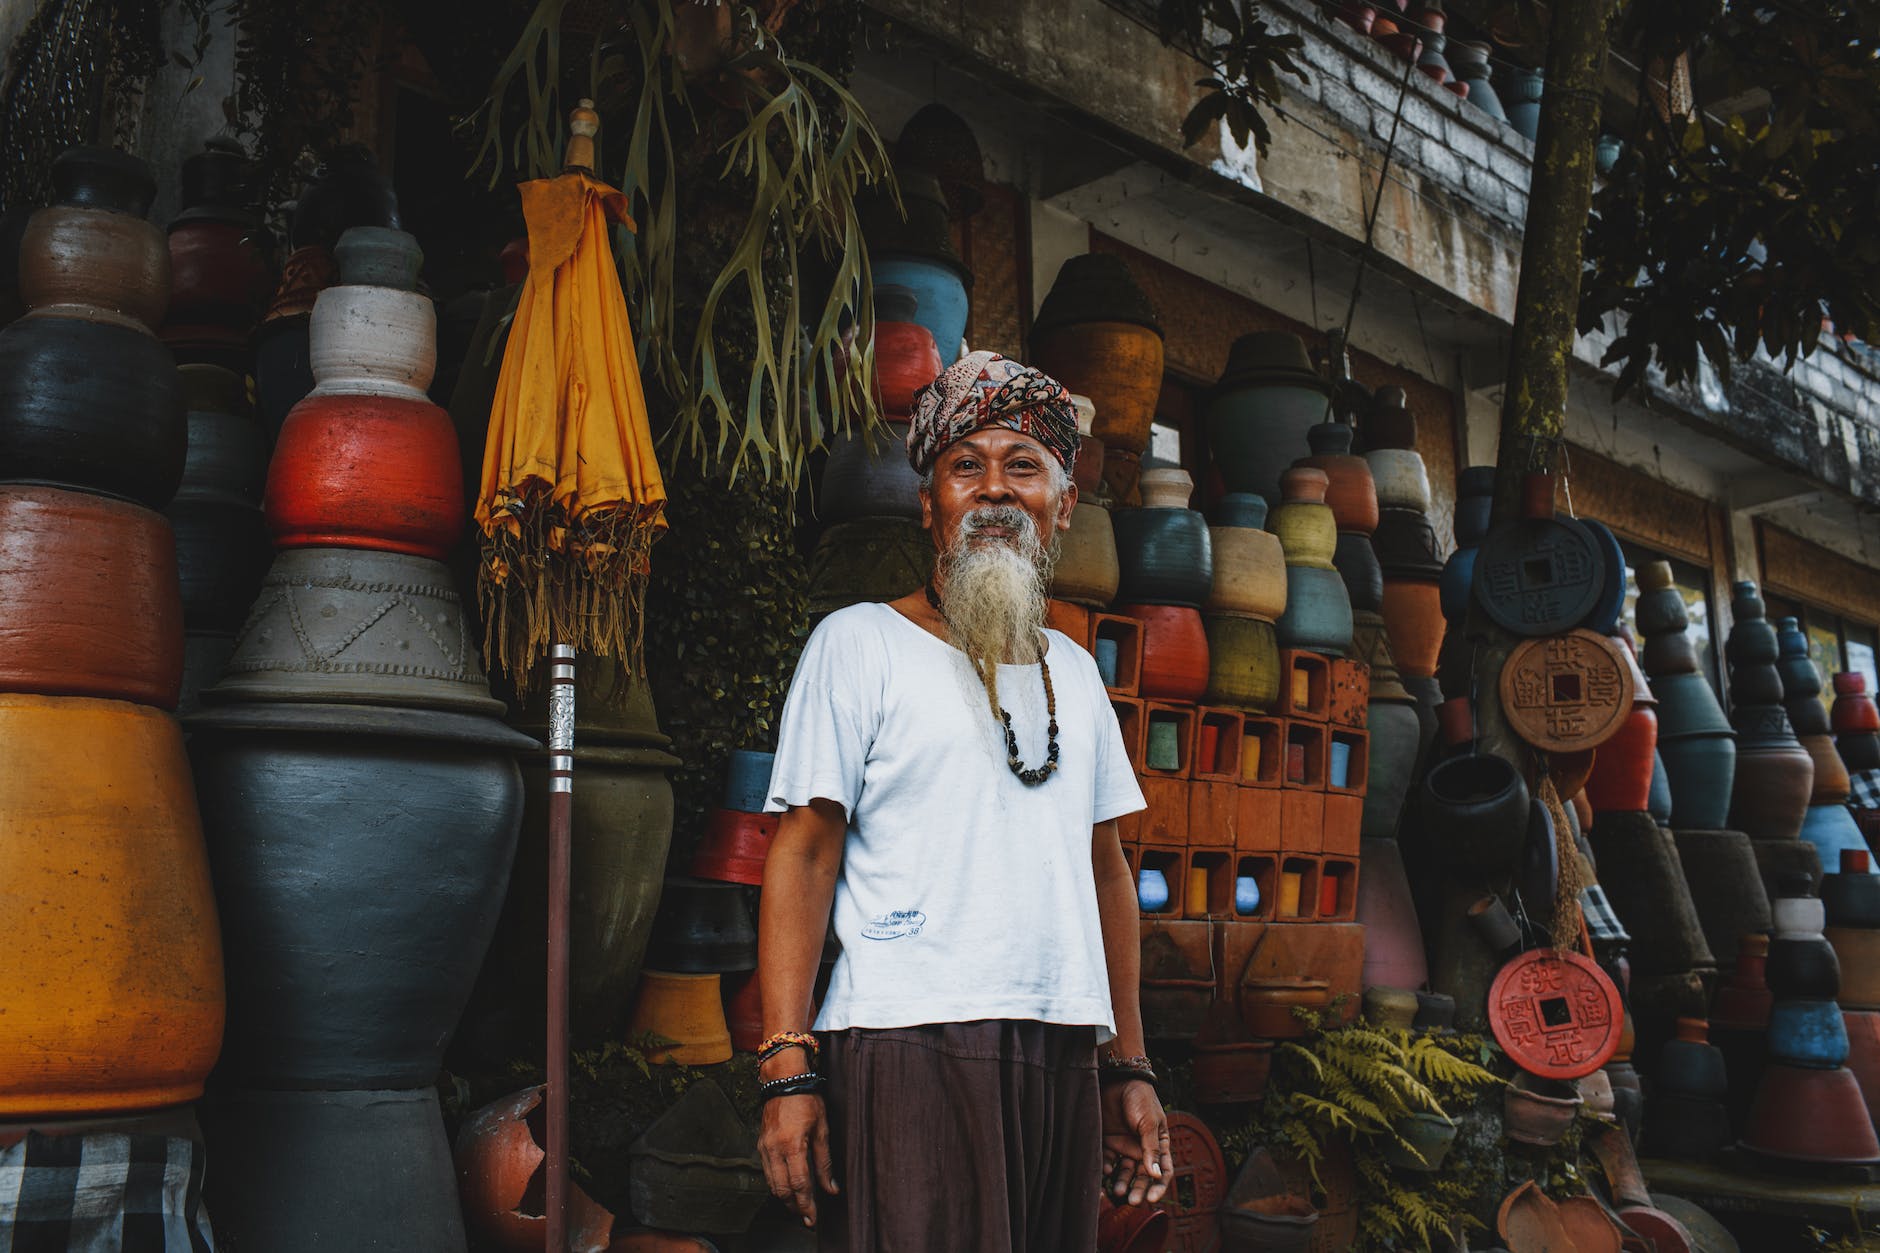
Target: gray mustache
{"type": "Point", "coordinates": [1009, 517]}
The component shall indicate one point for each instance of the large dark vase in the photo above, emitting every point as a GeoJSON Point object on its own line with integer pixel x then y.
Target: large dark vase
{"type": "Point", "coordinates": [1258, 415]}
{"type": "Point", "coordinates": [360, 857]}
{"type": "Point", "coordinates": [310, 1172]}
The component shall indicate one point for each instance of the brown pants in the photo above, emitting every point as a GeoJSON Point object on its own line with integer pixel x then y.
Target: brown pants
{"type": "Point", "coordinates": [977, 1137]}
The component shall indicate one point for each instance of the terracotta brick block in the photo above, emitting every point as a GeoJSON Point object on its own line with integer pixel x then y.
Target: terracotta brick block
{"type": "Point", "coordinates": [1351, 692]}
{"type": "Point", "coordinates": [1127, 632]}
{"type": "Point", "coordinates": [1333, 951]}
{"type": "Point", "coordinates": [1262, 751]}
{"type": "Point", "coordinates": [1307, 746]}
{"type": "Point", "coordinates": [1129, 720]}
{"type": "Point", "coordinates": [1181, 719]}
{"type": "Point", "coordinates": [1297, 896]}
{"type": "Point", "coordinates": [1257, 820]}
{"type": "Point", "coordinates": [1217, 746]}
{"type": "Point", "coordinates": [1356, 746]}
{"type": "Point", "coordinates": [1338, 889]}
{"type": "Point", "coordinates": [1344, 815]}
{"type": "Point", "coordinates": [1301, 821]}
{"type": "Point", "coordinates": [1212, 810]}
{"type": "Point", "coordinates": [1210, 891]}
{"type": "Point", "coordinates": [1235, 942]}
{"type": "Point", "coordinates": [1305, 684]}
{"type": "Point", "coordinates": [1178, 976]}
{"type": "Point", "coordinates": [1166, 821]}
{"type": "Point", "coordinates": [1173, 863]}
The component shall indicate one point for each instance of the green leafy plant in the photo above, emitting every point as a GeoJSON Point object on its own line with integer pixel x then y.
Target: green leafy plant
{"type": "Point", "coordinates": [787, 167]}
{"type": "Point", "coordinates": [1245, 58]}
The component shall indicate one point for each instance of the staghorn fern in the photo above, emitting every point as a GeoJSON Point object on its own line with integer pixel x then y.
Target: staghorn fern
{"type": "Point", "coordinates": [804, 151]}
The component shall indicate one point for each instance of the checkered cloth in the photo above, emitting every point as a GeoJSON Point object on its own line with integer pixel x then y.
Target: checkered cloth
{"type": "Point", "coordinates": [1865, 790]}
{"type": "Point", "coordinates": [103, 1193]}
{"type": "Point", "coordinates": [1602, 921]}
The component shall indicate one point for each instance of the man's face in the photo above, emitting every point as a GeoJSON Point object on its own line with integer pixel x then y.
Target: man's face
{"type": "Point", "coordinates": [995, 466]}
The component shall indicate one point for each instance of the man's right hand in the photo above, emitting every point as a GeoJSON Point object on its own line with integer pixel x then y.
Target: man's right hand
{"type": "Point", "coordinates": [794, 1145]}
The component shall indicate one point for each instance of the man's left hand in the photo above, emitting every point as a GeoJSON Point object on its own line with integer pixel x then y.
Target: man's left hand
{"type": "Point", "coordinates": [1136, 1160]}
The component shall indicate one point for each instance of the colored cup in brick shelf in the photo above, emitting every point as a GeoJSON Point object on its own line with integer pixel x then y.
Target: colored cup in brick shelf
{"type": "Point", "coordinates": [1197, 887]}
{"type": "Point", "coordinates": [1341, 764]}
{"type": "Point", "coordinates": [1295, 763]}
{"type": "Point", "coordinates": [1291, 882]}
{"type": "Point", "coordinates": [1246, 895]}
{"type": "Point", "coordinates": [1106, 661]}
{"type": "Point", "coordinates": [1207, 749]}
{"type": "Point", "coordinates": [1250, 757]}
{"type": "Point", "coordinates": [1152, 890]}
{"type": "Point", "coordinates": [1164, 751]}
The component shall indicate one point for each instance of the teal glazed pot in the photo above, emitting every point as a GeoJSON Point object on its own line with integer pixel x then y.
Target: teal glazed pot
{"type": "Point", "coordinates": [1832, 830]}
{"type": "Point", "coordinates": [1658, 804]}
{"type": "Point", "coordinates": [1808, 1033]}
{"type": "Point", "coordinates": [1396, 735]}
{"type": "Point", "coordinates": [1700, 771]}
{"type": "Point", "coordinates": [1357, 565]}
{"type": "Point", "coordinates": [1318, 612]}
{"type": "Point", "coordinates": [1469, 61]}
{"type": "Point", "coordinates": [1164, 556]}
{"type": "Point", "coordinates": [1457, 582]}
{"type": "Point", "coordinates": [1258, 414]}
{"type": "Point", "coordinates": [941, 288]}
{"type": "Point", "coordinates": [1523, 104]}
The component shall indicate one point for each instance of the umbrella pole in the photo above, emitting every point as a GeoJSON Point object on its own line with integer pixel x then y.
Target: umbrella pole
{"type": "Point", "coordinates": [560, 876]}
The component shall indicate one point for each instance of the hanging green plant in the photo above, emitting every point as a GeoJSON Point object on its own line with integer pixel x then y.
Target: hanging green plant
{"type": "Point", "coordinates": [797, 152]}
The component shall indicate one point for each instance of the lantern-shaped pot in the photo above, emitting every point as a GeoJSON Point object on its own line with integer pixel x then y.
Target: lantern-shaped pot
{"type": "Point", "coordinates": [1249, 564]}
{"type": "Point", "coordinates": [1097, 334]}
{"type": "Point", "coordinates": [220, 278]}
{"type": "Point", "coordinates": [1086, 572]}
{"type": "Point", "coordinates": [1351, 490]}
{"type": "Point", "coordinates": [906, 359]}
{"type": "Point", "coordinates": [1318, 608]}
{"type": "Point", "coordinates": [1260, 411]}
{"type": "Point", "coordinates": [1175, 663]}
{"type": "Point", "coordinates": [869, 476]}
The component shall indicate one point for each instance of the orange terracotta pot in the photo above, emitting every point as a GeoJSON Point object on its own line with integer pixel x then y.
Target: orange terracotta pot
{"type": "Point", "coordinates": [1413, 620]}
{"type": "Point", "coordinates": [1118, 365]}
{"type": "Point", "coordinates": [687, 1009]}
{"type": "Point", "coordinates": [905, 361]}
{"type": "Point", "coordinates": [1174, 652]}
{"type": "Point", "coordinates": [92, 606]}
{"type": "Point", "coordinates": [112, 985]}
{"type": "Point", "coordinates": [1622, 766]}
{"type": "Point", "coordinates": [377, 472]}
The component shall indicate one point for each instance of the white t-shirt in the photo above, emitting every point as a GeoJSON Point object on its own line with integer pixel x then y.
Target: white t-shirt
{"type": "Point", "coordinates": [964, 893]}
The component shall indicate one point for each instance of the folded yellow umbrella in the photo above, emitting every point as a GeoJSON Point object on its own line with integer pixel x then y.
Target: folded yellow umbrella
{"type": "Point", "coordinates": [572, 497]}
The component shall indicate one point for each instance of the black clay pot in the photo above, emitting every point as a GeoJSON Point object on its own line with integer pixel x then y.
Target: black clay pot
{"type": "Point", "coordinates": [217, 182]}
{"type": "Point", "coordinates": [300, 1172]}
{"type": "Point", "coordinates": [1689, 1067]}
{"type": "Point", "coordinates": [1357, 565]}
{"type": "Point", "coordinates": [1405, 544]}
{"type": "Point", "coordinates": [1475, 500]}
{"type": "Point", "coordinates": [360, 857]}
{"type": "Point", "coordinates": [703, 927]}
{"type": "Point", "coordinates": [1540, 858]}
{"type": "Point", "coordinates": [103, 178]}
{"type": "Point", "coordinates": [348, 191]}
{"type": "Point", "coordinates": [1476, 805]}
{"type": "Point", "coordinates": [222, 554]}
{"type": "Point", "coordinates": [91, 406]}
{"type": "Point", "coordinates": [1803, 969]}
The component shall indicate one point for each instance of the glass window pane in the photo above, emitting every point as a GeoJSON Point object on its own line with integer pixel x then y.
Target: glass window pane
{"type": "Point", "coordinates": [1862, 653]}
{"type": "Point", "coordinates": [1693, 585]}
{"type": "Point", "coordinates": [1824, 649]}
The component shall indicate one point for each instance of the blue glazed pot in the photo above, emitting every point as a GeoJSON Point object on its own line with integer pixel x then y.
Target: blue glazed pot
{"type": "Point", "coordinates": [1318, 611]}
{"type": "Point", "coordinates": [1659, 804]}
{"type": "Point", "coordinates": [1687, 705]}
{"type": "Point", "coordinates": [1523, 101]}
{"type": "Point", "coordinates": [1603, 618]}
{"type": "Point", "coordinates": [1246, 895]}
{"type": "Point", "coordinates": [1700, 771]}
{"type": "Point", "coordinates": [1808, 1033]}
{"type": "Point", "coordinates": [1457, 582]}
{"type": "Point", "coordinates": [1831, 829]}
{"type": "Point", "coordinates": [1246, 509]}
{"type": "Point", "coordinates": [1164, 557]}
{"type": "Point", "coordinates": [747, 780]}
{"type": "Point", "coordinates": [941, 290]}
{"type": "Point", "coordinates": [1151, 890]}
{"type": "Point", "coordinates": [1105, 653]}
{"type": "Point", "coordinates": [1257, 429]}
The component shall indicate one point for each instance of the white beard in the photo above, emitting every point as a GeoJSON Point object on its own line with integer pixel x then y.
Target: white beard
{"type": "Point", "coordinates": [996, 592]}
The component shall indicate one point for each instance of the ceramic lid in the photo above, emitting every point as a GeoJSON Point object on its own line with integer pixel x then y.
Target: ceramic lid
{"type": "Point", "coordinates": [95, 177]}
{"type": "Point", "coordinates": [1095, 287]}
{"type": "Point", "coordinates": [1272, 357]}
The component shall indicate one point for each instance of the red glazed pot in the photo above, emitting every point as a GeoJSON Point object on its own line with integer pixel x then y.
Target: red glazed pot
{"type": "Point", "coordinates": [1174, 651]}
{"type": "Point", "coordinates": [1622, 767]}
{"type": "Point", "coordinates": [1854, 710]}
{"type": "Point", "coordinates": [734, 846]}
{"type": "Point", "coordinates": [92, 604]}
{"type": "Point", "coordinates": [905, 361]}
{"type": "Point", "coordinates": [218, 275]}
{"type": "Point", "coordinates": [376, 472]}
{"type": "Point", "coordinates": [1413, 619]}
{"type": "Point", "coordinates": [1806, 1115]}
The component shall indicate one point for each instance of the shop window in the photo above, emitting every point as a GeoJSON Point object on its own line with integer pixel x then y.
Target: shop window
{"type": "Point", "coordinates": [1693, 583]}
{"type": "Point", "coordinates": [1835, 644]}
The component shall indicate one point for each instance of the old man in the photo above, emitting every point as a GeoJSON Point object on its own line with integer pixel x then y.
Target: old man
{"type": "Point", "coordinates": [949, 772]}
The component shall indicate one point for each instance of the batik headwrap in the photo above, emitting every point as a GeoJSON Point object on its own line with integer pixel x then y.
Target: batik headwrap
{"type": "Point", "coordinates": [983, 389]}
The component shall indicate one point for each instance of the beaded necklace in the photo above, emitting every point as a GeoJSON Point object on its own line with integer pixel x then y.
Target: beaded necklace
{"type": "Point", "coordinates": [1012, 760]}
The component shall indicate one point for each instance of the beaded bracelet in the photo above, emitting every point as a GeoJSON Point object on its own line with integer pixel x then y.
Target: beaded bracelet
{"type": "Point", "coordinates": [1112, 1067]}
{"type": "Point", "coordinates": [775, 1044]}
{"type": "Point", "coordinates": [790, 1085]}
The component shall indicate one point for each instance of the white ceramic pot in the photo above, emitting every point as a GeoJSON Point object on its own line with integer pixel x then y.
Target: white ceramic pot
{"type": "Point", "coordinates": [1249, 573]}
{"type": "Point", "coordinates": [1086, 413]}
{"type": "Point", "coordinates": [1402, 481]}
{"type": "Point", "coordinates": [373, 341]}
{"type": "Point", "coordinates": [1798, 917]}
{"type": "Point", "coordinates": [1166, 487]}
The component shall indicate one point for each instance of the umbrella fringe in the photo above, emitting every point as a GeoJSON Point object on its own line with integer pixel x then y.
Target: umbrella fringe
{"type": "Point", "coordinates": [546, 580]}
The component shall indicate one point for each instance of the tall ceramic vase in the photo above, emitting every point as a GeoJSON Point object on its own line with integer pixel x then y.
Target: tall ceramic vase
{"type": "Point", "coordinates": [1829, 825]}
{"type": "Point", "coordinates": [1318, 608]}
{"type": "Point", "coordinates": [1774, 773]}
{"type": "Point", "coordinates": [1097, 334]}
{"type": "Point", "coordinates": [1248, 594]}
{"type": "Point", "coordinates": [1260, 410]}
{"type": "Point", "coordinates": [1695, 741]}
{"type": "Point", "coordinates": [221, 280]}
{"type": "Point", "coordinates": [88, 395]}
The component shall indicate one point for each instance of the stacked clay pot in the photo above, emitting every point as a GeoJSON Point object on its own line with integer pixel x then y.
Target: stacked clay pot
{"type": "Point", "coordinates": [1809, 1107]}
{"type": "Point", "coordinates": [353, 753]}
{"type": "Point", "coordinates": [1641, 874]}
{"type": "Point", "coordinates": [1097, 334]}
{"type": "Point", "coordinates": [1855, 723]}
{"type": "Point", "coordinates": [1685, 1115]}
{"type": "Point", "coordinates": [1828, 824]}
{"type": "Point", "coordinates": [1166, 555]}
{"type": "Point", "coordinates": [1739, 1024]}
{"type": "Point", "coordinates": [1086, 573]}
{"type": "Point", "coordinates": [1475, 501]}
{"type": "Point", "coordinates": [736, 842]}
{"type": "Point", "coordinates": [914, 251]}
{"type": "Point", "coordinates": [113, 986]}
{"type": "Point", "coordinates": [1622, 771]}
{"type": "Point", "coordinates": [1850, 899]}
{"type": "Point", "coordinates": [1405, 545]}
{"type": "Point", "coordinates": [621, 834]}
{"type": "Point", "coordinates": [221, 279]}
{"type": "Point", "coordinates": [222, 547]}
{"type": "Point", "coordinates": [1318, 608]}
{"type": "Point", "coordinates": [1247, 596]}
{"type": "Point", "coordinates": [1260, 410]}
{"type": "Point", "coordinates": [1774, 773]}
{"type": "Point", "coordinates": [873, 546]}
{"type": "Point", "coordinates": [704, 945]}
{"type": "Point", "coordinates": [1695, 741]}
{"type": "Point", "coordinates": [347, 191]}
